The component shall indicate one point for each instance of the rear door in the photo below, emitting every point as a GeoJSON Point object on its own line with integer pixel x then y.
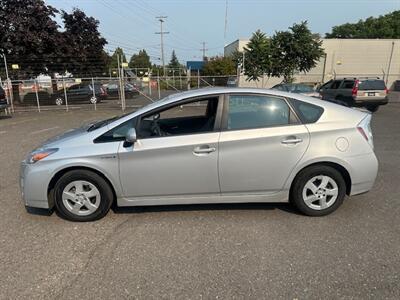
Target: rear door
{"type": "Point", "coordinates": [261, 142]}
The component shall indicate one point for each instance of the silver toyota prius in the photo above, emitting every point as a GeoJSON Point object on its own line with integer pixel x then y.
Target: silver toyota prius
{"type": "Point", "coordinates": [220, 145]}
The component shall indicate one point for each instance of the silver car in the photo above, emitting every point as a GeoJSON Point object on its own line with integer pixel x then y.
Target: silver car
{"type": "Point", "coordinates": [223, 145]}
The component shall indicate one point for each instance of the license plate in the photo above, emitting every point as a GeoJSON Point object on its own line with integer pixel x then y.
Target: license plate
{"type": "Point", "coordinates": [371, 94]}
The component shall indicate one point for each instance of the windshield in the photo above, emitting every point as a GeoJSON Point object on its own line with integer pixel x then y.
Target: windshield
{"type": "Point", "coordinates": [301, 88]}
{"type": "Point", "coordinates": [102, 123]}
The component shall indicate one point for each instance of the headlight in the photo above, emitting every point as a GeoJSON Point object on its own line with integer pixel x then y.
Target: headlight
{"type": "Point", "coordinates": [40, 154]}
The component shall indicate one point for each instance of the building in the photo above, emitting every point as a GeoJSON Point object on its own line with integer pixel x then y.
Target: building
{"type": "Point", "coordinates": [344, 58]}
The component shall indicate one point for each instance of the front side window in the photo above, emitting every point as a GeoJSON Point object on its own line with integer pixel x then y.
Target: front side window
{"type": "Point", "coordinates": [188, 118]}
{"type": "Point", "coordinates": [257, 111]}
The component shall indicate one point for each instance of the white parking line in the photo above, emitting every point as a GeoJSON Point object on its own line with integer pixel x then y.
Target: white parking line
{"type": "Point", "coordinates": [19, 122]}
{"type": "Point", "coordinates": [1, 132]}
{"type": "Point", "coordinates": [44, 130]}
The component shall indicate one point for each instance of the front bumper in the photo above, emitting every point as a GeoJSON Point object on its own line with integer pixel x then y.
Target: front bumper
{"type": "Point", "coordinates": [34, 181]}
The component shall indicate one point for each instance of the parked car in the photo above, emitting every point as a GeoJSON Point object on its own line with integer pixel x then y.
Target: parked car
{"type": "Point", "coordinates": [232, 81]}
{"type": "Point", "coordinates": [3, 99]}
{"type": "Point", "coordinates": [360, 92]}
{"type": "Point", "coordinates": [297, 88]}
{"type": "Point", "coordinates": [207, 146]}
{"type": "Point", "coordinates": [113, 90]}
{"type": "Point", "coordinates": [80, 93]}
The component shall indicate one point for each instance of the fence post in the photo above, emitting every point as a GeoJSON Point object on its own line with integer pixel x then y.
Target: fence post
{"type": "Point", "coordinates": [65, 94]}
{"type": "Point", "coordinates": [158, 84]}
{"type": "Point", "coordinates": [37, 94]}
{"type": "Point", "coordinates": [198, 79]}
{"type": "Point", "coordinates": [189, 77]}
{"type": "Point", "coordinates": [149, 75]}
{"type": "Point", "coordinates": [94, 95]}
{"type": "Point", "coordinates": [11, 94]}
{"type": "Point", "coordinates": [180, 78]}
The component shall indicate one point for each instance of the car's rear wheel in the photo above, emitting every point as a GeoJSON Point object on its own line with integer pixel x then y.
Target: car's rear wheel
{"type": "Point", "coordinates": [59, 101]}
{"type": "Point", "coordinates": [318, 190]}
{"type": "Point", "coordinates": [82, 195]}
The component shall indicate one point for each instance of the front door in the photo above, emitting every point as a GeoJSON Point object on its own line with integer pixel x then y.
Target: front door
{"type": "Point", "coordinates": [176, 153]}
{"type": "Point", "coordinates": [260, 144]}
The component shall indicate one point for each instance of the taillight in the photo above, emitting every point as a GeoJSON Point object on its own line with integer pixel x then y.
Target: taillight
{"type": "Point", "coordinates": [386, 90]}
{"type": "Point", "coordinates": [360, 130]}
{"type": "Point", "coordinates": [102, 91]}
{"type": "Point", "coordinates": [364, 128]}
{"type": "Point", "coordinates": [354, 91]}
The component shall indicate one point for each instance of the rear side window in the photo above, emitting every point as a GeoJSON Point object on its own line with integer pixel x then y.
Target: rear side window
{"type": "Point", "coordinates": [371, 85]}
{"type": "Point", "coordinates": [251, 111]}
{"type": "Point", "coordinates": [307, 112]}
{"type": "Point", "coordinates": [335, 84]}
{"type": "Point", "coordinates": [348, 84]}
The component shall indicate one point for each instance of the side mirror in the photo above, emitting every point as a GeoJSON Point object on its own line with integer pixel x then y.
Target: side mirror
{"type": "Point", "coordinates": [130, 137]}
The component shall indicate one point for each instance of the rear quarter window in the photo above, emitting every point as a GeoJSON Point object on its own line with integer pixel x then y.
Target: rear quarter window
{"type": "Point", "coordinates": [307, 112]}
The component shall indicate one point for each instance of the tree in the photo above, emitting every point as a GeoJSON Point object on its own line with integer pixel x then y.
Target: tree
{"type": "Point", "coordinates": [382, 27]}
{"type": "Point", "coordinates": [257, 56]}
{"type": "Point", "coordinates": [219, 65]}
{"type": "Point", "coordinates": [140, 60]}
{"type": "Point", "coordinates": [114, 58]}
{"type": "Point", "coordinates": [174, 62]}
{"type": "Point", "coordinates": [295, 50]}
{"type": "Point", "coordinates": [85, 54]}
{"type": "Point", "coordinates": [29, 36]}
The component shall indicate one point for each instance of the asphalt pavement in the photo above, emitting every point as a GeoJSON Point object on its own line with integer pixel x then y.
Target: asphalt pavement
{"type": "Point", "coordinates": [225, 251]}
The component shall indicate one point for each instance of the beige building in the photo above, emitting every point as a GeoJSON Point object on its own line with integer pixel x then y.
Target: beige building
{"type": "Point", "coordinates": [344, 58]}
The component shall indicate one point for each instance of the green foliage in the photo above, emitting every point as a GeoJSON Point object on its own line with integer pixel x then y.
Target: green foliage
{"type": "Point", "coordinates": [140, 60]}
{"type": "Point", "coordinates": [382, 27]}
{"type": "Point", "coordinates": [257, 56]}
{"type": "Point", "coordinates": [29, 36]}
{"type": "Point", "coordinates": [174, 62]}
{"type": "Point", "coordinates": [114, 58]}
{"type": "Point", "coordinates": [84, 44]}
{"type": "Point", "coordinates": [219, 65]}
{"type": "Point", "coordinates": [294, 50]}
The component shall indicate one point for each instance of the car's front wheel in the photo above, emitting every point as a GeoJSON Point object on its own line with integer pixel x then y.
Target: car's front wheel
{"type": "Point", "coordinates": [82, 195]}
{"type": "Point", "coordinates": [318, 190]}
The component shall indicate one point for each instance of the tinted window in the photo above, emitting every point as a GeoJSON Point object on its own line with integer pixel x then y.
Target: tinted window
{"type": "Point", "coordinates": [302, 88]}
{"type": "Point", "coordinates": [117, 133]}
{"type": "Point", "coordinates": [371, 85]}
{"type": "Point", "coordinates": [335, 84]}
{"type": "Point", "coordinates": [307, 112]}
{"type": "Point", "coordinates": [257, 111]}
{"type": "Point", "coordinates": [348, 84]}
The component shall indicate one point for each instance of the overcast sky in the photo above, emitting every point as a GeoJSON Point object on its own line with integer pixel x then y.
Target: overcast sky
{"type": "Point", "coordinates": [132, 24]}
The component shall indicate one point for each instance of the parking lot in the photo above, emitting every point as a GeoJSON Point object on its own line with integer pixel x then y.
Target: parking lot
{"type": "Point", "coordinates": [199, 251]}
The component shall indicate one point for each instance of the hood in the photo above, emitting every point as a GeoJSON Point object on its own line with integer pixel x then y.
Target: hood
{"type": "Point", "coordinates": [68, 135]}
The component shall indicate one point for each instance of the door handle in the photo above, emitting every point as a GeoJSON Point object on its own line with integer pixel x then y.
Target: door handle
{"type": "Point", "coordinates": [204, 150]}
{"type": "Point", "coordinates": [291, 141]}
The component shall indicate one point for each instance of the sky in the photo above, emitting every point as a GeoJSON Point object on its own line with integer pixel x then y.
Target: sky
{"type": "Point", "coordinates": [131, 24]}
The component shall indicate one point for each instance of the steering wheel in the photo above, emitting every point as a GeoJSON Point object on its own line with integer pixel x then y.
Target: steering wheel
{"type": "Point", "coordinates": [155, 127]}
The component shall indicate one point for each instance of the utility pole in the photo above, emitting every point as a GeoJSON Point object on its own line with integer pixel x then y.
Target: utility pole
{"type": "Point", "coordinates": [226, 21]}
{"type": "Point", "coordinates": [204, 50]}
{"type": "Point", "coordinates": [161, 33]}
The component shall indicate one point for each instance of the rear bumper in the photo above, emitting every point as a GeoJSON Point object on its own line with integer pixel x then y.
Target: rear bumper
{"type": "Point", "coordinates": [362, 102]}
{"type": "Point", "coordinates": [363, 172]}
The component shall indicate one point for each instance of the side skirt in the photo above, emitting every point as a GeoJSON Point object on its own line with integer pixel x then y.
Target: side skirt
{"type": "Point", "coordinates": [280, 197]}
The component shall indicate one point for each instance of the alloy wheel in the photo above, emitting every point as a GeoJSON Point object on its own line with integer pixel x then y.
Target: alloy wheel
{"type": "Point", "coordinates": [320, 192]}
{"type": "Point", "coordinates": [81, 198]}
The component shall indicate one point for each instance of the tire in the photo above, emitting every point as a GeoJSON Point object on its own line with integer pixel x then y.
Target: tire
{"type": "Point", "coordinates": [59, 101]}
{"type": "Point", "coordinates": [93, 100]}
{"type": "Point", "coordinates": [373, 108]}
{"type": "Point", "coordinates": [93, 188]}
{"type": "Point", "coordinates": [316, 199]}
